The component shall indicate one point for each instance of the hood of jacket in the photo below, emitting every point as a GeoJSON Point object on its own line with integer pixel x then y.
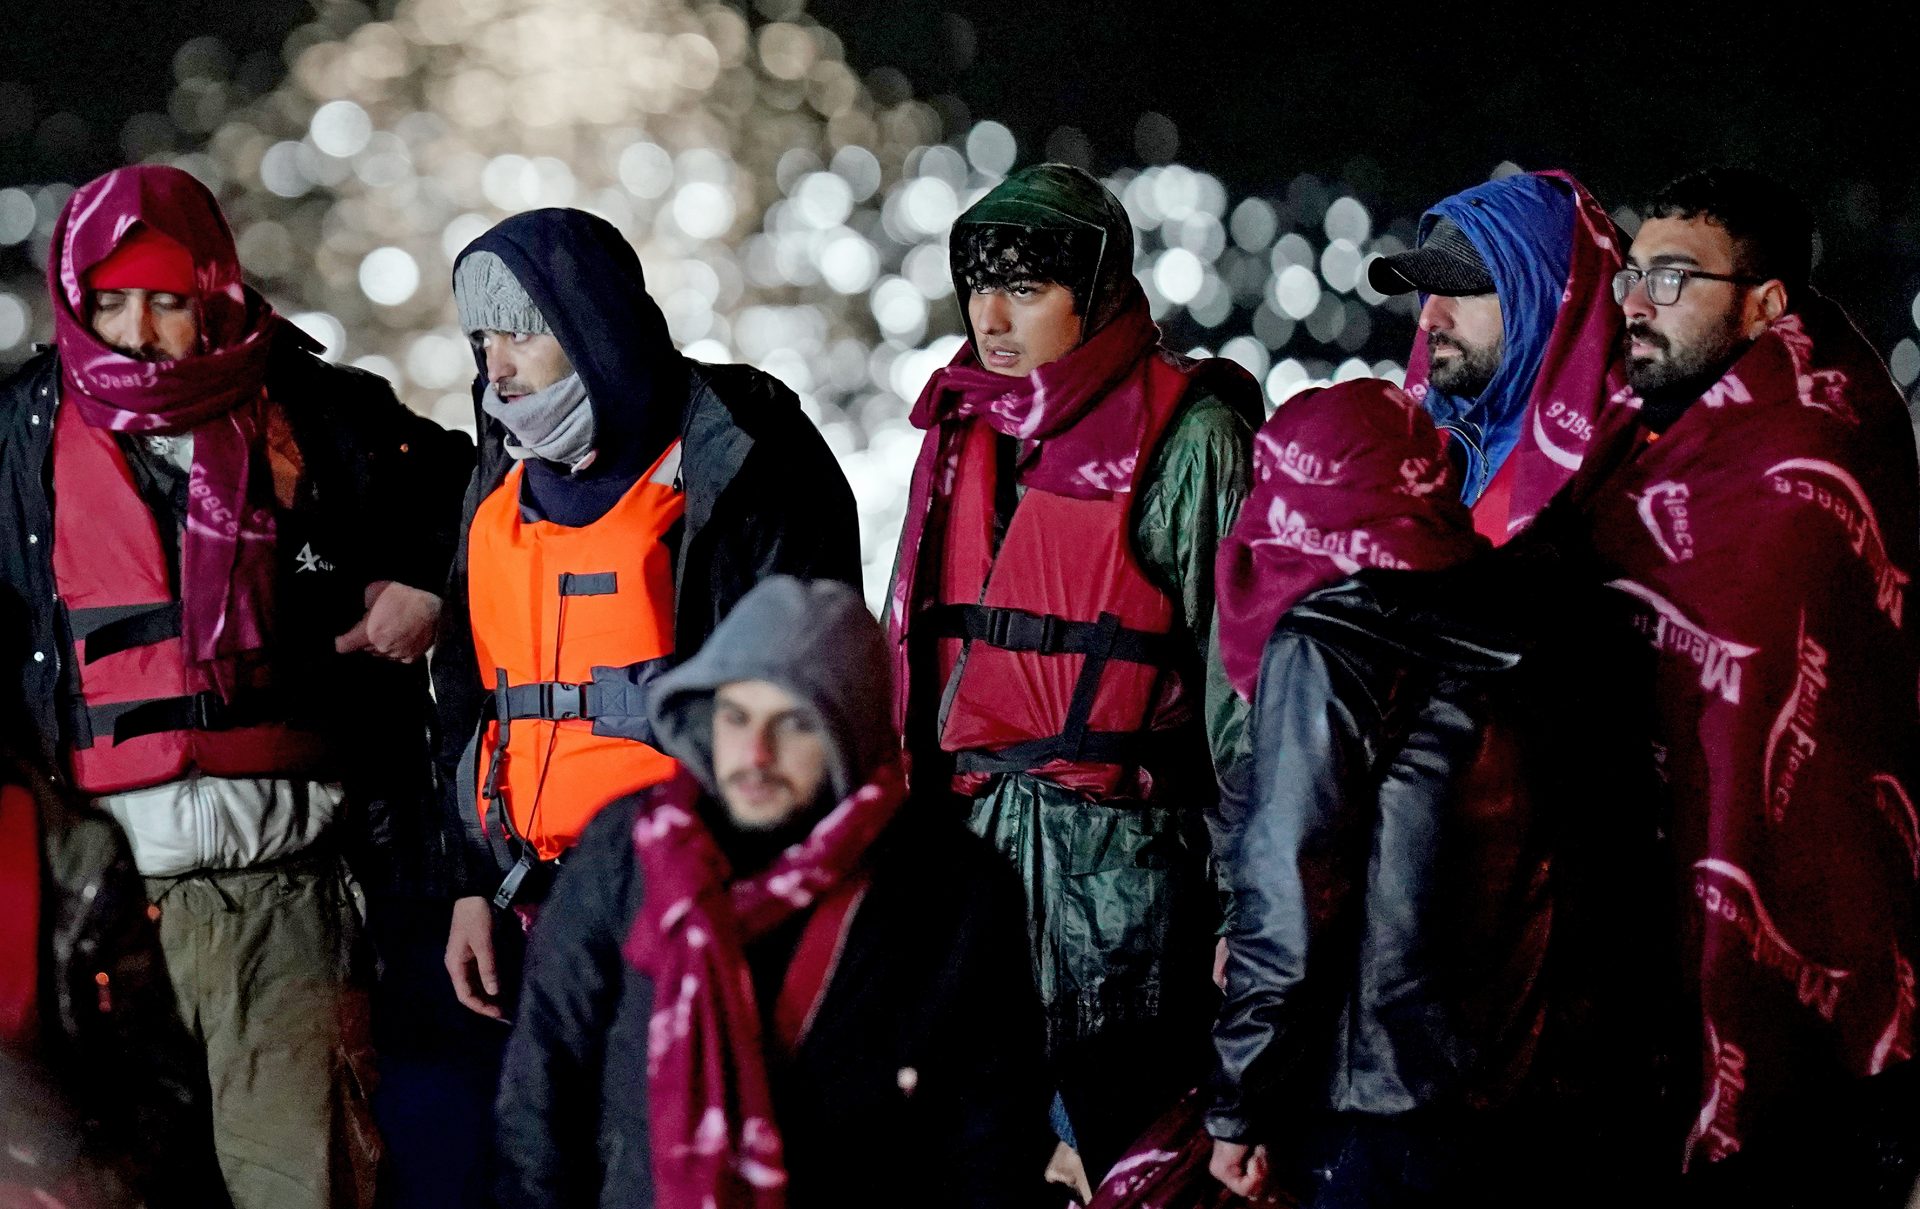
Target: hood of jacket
{"type": "Point", "coordinates": [812, 638]}
{"type": "Point", "coordinates": [1523, 228]}
{"type": "Point", "coordinates": [588, 284]}
{"type": "Point", "coordinates": [1060, 197]}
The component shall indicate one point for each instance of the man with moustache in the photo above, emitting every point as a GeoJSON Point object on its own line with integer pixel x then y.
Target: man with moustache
{"type": "Point", "coordinates": [1753, 514]}
{"type": "Point", "coordinates": [625, 499]}
{"type": "Point", "coordinates": [773, 980]}
{"type": "Point", "coordinates": [1050, 614]}
{"type": "Point", "coordinates": [1515, 357]}
{"type": "Point", "coordinates": [1728, 578]}
{"type": "Point", "coordinates": [213, 533]}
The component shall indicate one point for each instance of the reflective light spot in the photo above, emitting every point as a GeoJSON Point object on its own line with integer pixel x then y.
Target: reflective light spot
{"type": "Point", "coordinates": [1253, 225]}
{"type": "Point", "coordinates": [849, 264]}
{"type": "Point", "coordinates": [1340, 265]}
{"type": "Point", "coordinates": [389, 276]}
{"type": "Point", "coordinates": [280, 170]}
{"type": "Point", "coordinates": [859, 168]}
{"type": "Point", "coordinates": [1904, 363]}
{"type": "Point", "coordinates": [1296, 291]}
{"type": "Point", "coordinates": [340, 128]}
{"type": "Point", "coordinates": [646, 170]}
{"type": "Point", "coordinates": [929, 205]}
{"type": "Point", "coordinates": [991, 148]}
{"type": "Point", "coordinates": [17, 215]}
{"type": "Point", "coordinates": [1286, 380]}
{"type": "Point", "coordinates": [1178, 275]}
{"type": "Point", "coordinates": [703, 210]}
{"type": "Point", "coordinates": [1347, 219]}
{"type": "Point", "coordinates": [1249, 353]}
{"type": "Point", "coordinates": [823, 200]}
{"type": "Point", "coordinates": [900, 308]}
{"type": "Point", "coordinates": [13, 321]}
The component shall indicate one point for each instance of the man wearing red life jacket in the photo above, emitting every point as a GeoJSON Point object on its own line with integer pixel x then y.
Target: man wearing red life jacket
{"type": "Point", "coordinates": [1518, 345]}
{"type": "Point", "coordinates": [625, 499]}
{"type": "Point", "coordinates": [1050, 613]}
{"type": "Point", "coordinates": [211, 532]}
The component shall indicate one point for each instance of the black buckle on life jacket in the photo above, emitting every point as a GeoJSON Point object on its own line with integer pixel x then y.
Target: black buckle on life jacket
{"type": "Point", "coordinates": [1015, 630]}
{"type": "Point", "coordinates": [559, 700]}
{"type": "Point", "coordinates": [209, 712]}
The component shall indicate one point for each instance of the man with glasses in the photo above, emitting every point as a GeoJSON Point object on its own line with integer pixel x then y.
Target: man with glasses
{"type": "Point", "coordinates": [1515, 354]}
{"type": "Point", "coordinates": [1751, 512]}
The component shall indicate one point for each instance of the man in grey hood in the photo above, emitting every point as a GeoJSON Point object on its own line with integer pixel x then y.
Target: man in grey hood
{"type": "Point", "coordinates": [773, 971]}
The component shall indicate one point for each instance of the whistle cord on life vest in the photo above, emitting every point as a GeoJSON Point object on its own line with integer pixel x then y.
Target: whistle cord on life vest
{"type": "Point", "coordinates": [553, 727]}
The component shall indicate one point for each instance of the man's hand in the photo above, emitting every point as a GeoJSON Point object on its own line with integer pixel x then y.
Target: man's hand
{"type": "Point", "coordinates": [470, 953]}
{"type": "Point", "coordinates": [399, 625]}
{"type": "Point", "coordinates": [1220, 964]}
{"type": "Point", "coordinates": [1066, 1169]}
{"type": "Point", "coordinates": [1242, 1168]}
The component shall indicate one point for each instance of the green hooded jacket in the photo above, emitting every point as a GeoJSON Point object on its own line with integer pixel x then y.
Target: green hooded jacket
{"type": "Point", "coordinates": [1119, 912]}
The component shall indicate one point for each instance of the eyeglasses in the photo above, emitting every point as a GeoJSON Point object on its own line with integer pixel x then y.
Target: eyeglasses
{"type": "Point", "coordinates": [1664, 284]}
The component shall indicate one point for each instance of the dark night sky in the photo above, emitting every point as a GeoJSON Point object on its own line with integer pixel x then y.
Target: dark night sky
{"type": "Point", "coordinates": [1401, 103]}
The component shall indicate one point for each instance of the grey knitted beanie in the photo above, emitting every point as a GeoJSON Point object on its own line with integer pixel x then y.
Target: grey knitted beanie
{"type": "Point", "coordinates": [490, 299]}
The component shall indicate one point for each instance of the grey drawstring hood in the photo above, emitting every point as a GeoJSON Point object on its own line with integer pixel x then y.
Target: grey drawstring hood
{"type": "Point", "coordinates": [813, 638]}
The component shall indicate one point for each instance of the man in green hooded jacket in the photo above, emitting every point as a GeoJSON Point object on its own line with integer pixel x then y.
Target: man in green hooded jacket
{"type": "Point", "coordinates": [1051, 611]}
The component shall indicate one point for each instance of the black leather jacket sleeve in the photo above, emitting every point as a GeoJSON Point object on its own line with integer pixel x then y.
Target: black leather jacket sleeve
{"type": "Point", "coordinates": [1295, 871]}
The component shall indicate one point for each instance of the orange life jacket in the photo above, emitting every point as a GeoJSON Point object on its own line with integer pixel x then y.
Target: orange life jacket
{"type": "Point", "coordinates": [145, 713]}
{"type": "Point", "coordinates": [561, 618]}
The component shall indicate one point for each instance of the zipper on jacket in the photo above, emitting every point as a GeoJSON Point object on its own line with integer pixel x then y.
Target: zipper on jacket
{"type": "Point", "coordinates": [1476, 464]}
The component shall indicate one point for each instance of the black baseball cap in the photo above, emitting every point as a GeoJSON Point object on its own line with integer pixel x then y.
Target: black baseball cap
{"type": "Point", "coordinates": [1446, 262]}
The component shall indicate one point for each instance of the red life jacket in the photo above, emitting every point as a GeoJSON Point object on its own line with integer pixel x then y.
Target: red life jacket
{"type": "Point", "coordinates": [1057, 653]}
{"type": "Point", "coordinates": [561, 615]}
{"type": "Point", "coordinates": [145, 713]}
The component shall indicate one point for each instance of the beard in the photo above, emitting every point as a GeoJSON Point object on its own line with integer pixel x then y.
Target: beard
{"type": "Point", "coordinates": [1466, 375]}
{"type": "Point", "coordinates": [1684, 370]}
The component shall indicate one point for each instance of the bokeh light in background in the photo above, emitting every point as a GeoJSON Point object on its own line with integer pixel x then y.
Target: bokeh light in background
{"type": "Point", "coordinates": [789, 213]}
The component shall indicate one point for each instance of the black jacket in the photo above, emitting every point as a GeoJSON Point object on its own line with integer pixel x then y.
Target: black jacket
{"type": "Point", "coordinates": [933, 976]}
{"type": "Point", "coordinates": [120, 1082]}
{"type": "Point", "coordinates": [764, 496]}
{"type": "Point", "coordinates": [1388, 874]}
{"type": "Point", "coordinates": [378, 501]}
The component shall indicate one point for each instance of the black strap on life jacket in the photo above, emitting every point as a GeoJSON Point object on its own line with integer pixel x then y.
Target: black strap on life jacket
{"type": "Point", "coordinates": [1046, 634]}
{"type": "Point", "coordinates": [115, 628]}
{"type": "Point", "coordinates": [207, 711]}
{"type": "Point", "coordinates": [557, 701]}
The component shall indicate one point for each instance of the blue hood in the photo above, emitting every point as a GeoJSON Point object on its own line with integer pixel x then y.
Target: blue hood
{"type": "Point", "coordinates": [1522, 227]}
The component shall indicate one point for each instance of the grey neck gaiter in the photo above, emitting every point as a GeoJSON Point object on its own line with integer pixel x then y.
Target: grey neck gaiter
{"type": "Point", "coordinates": [555, 424]}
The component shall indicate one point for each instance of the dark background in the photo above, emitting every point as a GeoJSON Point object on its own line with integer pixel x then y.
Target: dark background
{"type": "Point", "coordinates": [1400, 104]}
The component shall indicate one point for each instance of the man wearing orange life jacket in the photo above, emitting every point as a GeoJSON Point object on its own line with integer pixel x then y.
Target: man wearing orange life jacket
{"type": "Point", "coordinates": [625, 498]}
{"type": "Point", "coordinates": [210, 530]}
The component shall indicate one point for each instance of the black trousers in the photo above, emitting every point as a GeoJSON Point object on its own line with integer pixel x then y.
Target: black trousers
{"type": "Point", "coordinates": [1118, 1082]}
